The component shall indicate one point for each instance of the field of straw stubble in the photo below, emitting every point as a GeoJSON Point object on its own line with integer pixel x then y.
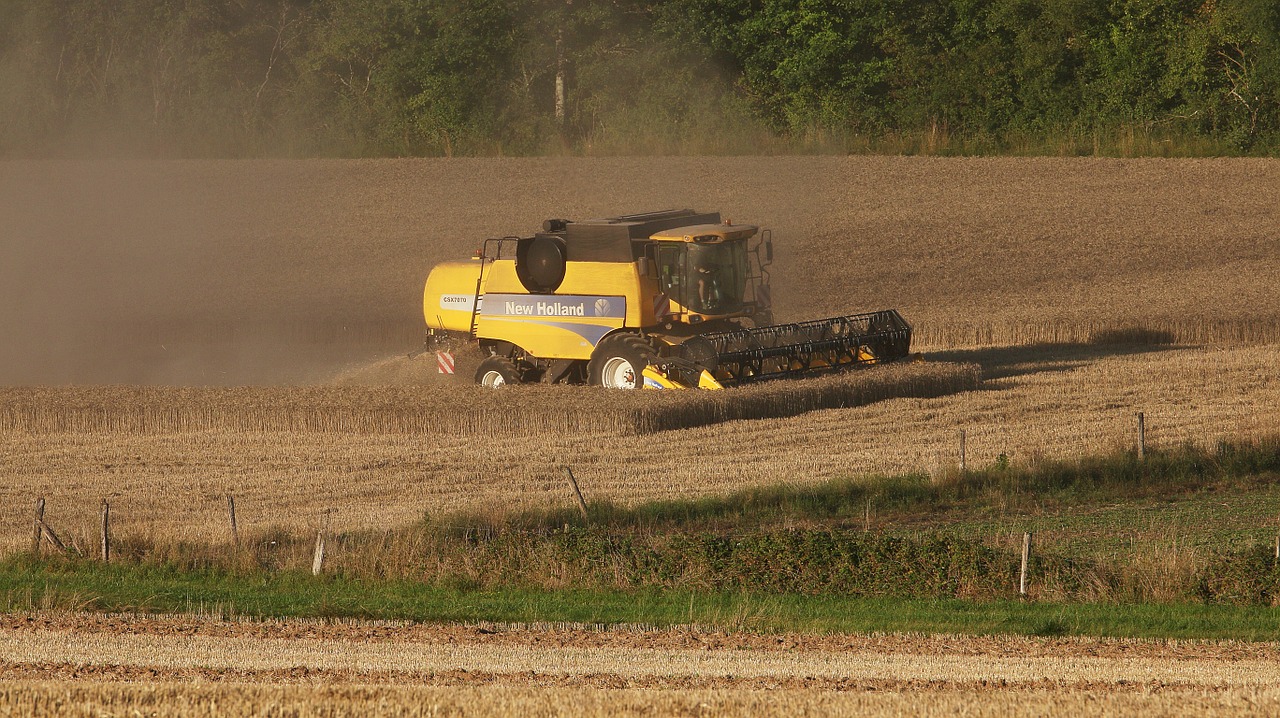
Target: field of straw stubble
{"type": "Point", "coordinates": [204, 274]}
{"type": "Point", "coordinates": [92, 665]}
{"type": "Point", "coordinates": [251, 318]}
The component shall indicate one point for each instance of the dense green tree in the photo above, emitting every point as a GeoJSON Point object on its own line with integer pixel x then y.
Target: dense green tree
{"type": "Point", "coordinates": [410, 77]}
{"type": "Point", "coordinates": [1132, 79]}
{"type": "Point", "coordinates": [422, 77]}
{"type": "Point", "coordinates": [805, 63]}
{"type": "Point", "coordinates": [1234, 61]}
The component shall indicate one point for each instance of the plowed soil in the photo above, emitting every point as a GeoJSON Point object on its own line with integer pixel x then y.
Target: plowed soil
{"type": "Point", "coordinates": [497, 635]}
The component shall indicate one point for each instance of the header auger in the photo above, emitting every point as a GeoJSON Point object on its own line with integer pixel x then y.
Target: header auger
{"type": "Point", "coordinates": [663, 300]}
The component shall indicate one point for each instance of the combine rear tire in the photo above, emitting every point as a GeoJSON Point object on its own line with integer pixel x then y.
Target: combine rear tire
{"type": "Point", "coordinates": [619, 361]}
{"type": "Point", "coordinates": [496, 372]}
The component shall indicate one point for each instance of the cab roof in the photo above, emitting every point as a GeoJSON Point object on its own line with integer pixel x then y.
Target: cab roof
{"type": "Point", "coordinates": [720, 232]}
{"type": "Point", "coordinates": [622, 238]}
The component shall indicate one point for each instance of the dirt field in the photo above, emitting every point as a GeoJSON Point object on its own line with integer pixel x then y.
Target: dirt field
{"type": "Point", "coordinates": [202, 666]}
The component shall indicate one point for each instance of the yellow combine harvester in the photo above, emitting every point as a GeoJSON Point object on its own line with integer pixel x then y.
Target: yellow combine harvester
{"type": "Point", "coordinates": [663, 300]}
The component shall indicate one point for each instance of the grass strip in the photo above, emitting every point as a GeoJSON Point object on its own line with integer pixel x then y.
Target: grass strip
{"type": "Point", "coordinates": [29, 585]}
{"type": "Point", "coordinates": [1002, 488]}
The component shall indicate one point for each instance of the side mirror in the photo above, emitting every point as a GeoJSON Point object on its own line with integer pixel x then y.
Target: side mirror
{"type": "Point", "coordinates": [642, 266]}
{"type": "Point", "coordinates": [768, 250]}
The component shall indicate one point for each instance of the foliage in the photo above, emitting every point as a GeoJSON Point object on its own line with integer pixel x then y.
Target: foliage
{"type": "Point", "coordinates": [429, 77]}
{"type": "Point", "coordinates": [402, 75]}
{"type": "Point", "coordinates": [1249, 577]}
{"type": "Point", "coordinates": [790, 562]}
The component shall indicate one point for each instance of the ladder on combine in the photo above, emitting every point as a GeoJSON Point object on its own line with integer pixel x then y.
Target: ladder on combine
{"type": "Point", "coordinates": [485, 257]}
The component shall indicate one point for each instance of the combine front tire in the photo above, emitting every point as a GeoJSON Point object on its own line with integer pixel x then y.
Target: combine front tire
{"type": "Point", "coordinates": [619, 361]}
{"type": "Point", "coordinates": [496, 372]}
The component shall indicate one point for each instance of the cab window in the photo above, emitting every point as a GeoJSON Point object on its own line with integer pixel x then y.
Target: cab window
{"type": "Point", "coordinates": [716, 277]}
{"type": "Point", "coordinates": [670, 271]}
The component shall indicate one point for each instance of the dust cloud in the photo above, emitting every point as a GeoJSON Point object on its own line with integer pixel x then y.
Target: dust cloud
{"type": "Point", "coordinates": [188, 273]}
{"type": "Point", "coordinates": [255, 272]}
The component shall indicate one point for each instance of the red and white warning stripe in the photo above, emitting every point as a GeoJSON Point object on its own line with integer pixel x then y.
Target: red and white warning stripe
{"type": "Point", "coordinates": [444, 362]}
{"type": "Point", "coordinates": [661, 305]}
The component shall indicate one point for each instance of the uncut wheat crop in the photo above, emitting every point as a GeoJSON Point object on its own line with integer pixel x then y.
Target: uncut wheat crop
{"type": "Point", "coordinates": [456, 409]}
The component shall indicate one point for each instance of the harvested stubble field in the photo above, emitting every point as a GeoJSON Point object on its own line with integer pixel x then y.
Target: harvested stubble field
{"type": "Point", "coordinates": [196, 667]}
{"type": "Point", "coordinates": [284, 273]}
{"type": "Point", "coordinates": [1038, 401]}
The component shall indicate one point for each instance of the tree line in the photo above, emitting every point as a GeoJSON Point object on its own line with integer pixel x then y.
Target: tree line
{"type": "Point", "coordinates": [451, 77]}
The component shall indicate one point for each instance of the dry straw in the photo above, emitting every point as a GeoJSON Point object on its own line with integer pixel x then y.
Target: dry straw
{"type": "Point", "coordinates": [1012, 332]}
{"type": "Point", "coordinates": [461, 410]}
{"type": "Point", "coordinates": [231, 694]}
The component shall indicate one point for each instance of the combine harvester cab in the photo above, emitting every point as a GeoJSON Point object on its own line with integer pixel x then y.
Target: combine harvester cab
{"type": "Point", "coordinates": [664, 300]}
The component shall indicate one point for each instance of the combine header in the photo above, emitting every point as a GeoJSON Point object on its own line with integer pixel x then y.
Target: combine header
{"type": "Point", "coordinates": [744, 355]}
{"type": "Point", "coordinates": [662, 300]}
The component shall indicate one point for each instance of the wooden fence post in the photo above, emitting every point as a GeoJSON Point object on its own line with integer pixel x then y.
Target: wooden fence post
{"type": "Point", "coordinates": [1142, 437]}
{"type": "Point", "coordinates": [962, 447]}
{"type": "Point", "coordinates": [52, 538]}
{"type": "Point", "coordinates": [582, 504]}
{"type": "Point", "coordinates": [39, 524]}
{"type": "Point", "coordinates": [235, 532]}
{"type": "Point", "coordinates": [42, 530]}
{"type": "Point", "coordinates": [106, 531]}
{"type": "Point", "coordinates": [317, 564]}
{"type": "Point", "coordinates": [1026, 558]}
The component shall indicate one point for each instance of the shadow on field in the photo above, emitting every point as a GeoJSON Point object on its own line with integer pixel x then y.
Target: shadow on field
{"type": "Point", "coordinates": [1005, 362]}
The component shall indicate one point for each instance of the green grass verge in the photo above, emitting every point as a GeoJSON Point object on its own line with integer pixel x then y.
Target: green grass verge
{"type": "Point", "coordinates": [987, 495]}
{"type": "Point", "coordinates": [27, 585]}
{"type": "Point", "coordinates": [1223, 517]}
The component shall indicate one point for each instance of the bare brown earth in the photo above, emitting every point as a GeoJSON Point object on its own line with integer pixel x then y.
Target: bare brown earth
{"type": "Point", "coordinates": [200, 666]}
{"type": "Point", "coordinates": [560, 635]}
{"type": "Point", "coordinates": [250, 272]}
